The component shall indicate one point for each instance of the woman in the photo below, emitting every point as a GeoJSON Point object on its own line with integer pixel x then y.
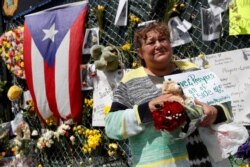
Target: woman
{"type": "Point", "coordinates": [139, 94]}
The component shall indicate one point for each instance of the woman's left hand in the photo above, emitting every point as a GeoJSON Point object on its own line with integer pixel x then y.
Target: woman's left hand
{"type": "Point", "coordinates": [209, 111]}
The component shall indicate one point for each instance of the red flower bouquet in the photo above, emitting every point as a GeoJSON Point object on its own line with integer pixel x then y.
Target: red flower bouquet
{"type": "Point", "coordinates": [170, 117]}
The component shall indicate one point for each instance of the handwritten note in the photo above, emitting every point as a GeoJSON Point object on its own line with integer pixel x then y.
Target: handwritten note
{"type": "Point", "coordinates": [203, 85]}
{"type": "Point", "coordinates": [239, 17]}
{"type": "Point", "coordinates": [233, 69]}
{"type": "Point", "coordinates": [104, 85]}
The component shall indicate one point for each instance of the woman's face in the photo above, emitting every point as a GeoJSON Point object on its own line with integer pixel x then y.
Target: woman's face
{"type": "Point", "coordinates": [156, 51]}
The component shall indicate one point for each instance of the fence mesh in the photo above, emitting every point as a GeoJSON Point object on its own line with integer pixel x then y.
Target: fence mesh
{"type": "Point", "coordinates": [64, 153]}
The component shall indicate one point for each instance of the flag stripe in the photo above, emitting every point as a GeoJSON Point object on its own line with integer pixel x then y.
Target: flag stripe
{"type": "Point", "coordinates": [27, 62]}
{"type": "Point", "coordinates": [29, 72]}
{"type": "Point", "coordinates": [62, 84]}
{"type": "Point", "coordinates": [38, 79]}
{"type": "Point", "coordinates": [74, 50]}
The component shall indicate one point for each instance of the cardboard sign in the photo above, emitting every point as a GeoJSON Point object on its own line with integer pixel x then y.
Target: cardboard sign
{"type": "Point", "coordinates": [202, 85]}
{"type": "Point", "coordinates": [233, 69]}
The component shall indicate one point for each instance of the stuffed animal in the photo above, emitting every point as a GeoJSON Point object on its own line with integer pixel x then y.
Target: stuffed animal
{"type": "Point", "coordinates": [171, 87]}
{"type": "Point", "coordinates": [105, 58]}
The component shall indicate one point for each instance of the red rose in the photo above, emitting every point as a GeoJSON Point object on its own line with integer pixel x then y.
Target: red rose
{"type": "Point", "coordinates": [170, 117]}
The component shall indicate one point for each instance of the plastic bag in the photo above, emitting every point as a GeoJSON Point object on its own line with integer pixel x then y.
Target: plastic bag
{"type": "Point", "coordinates": [223, 139]}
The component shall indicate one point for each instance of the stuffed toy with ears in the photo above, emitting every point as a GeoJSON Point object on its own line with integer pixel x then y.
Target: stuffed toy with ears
{"type": "Point", "coordinates": [176, 92]}
{"type": "Point", "coordinates": [105, 58]}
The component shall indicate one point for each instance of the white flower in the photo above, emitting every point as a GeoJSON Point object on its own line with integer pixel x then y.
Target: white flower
{"type": "Point", "coordinates": [17, 142]}
{"type": "Point", "coordinates": [34, 133]}
{"type": "Point", "coordinates": [46, 140]}
{"type": "Point", "coordinates": [72, 139]}
{"type": "Point", "coordinates": [18, 156]}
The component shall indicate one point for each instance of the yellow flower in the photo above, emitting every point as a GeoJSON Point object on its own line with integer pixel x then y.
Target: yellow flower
{"type": "Point", "coordinates": [106, 109]}
{"type": "Point", "coordinates": [85, 101]}
{"type": "Point", "coordinates": [14, 92]}
{"type": "Point", "coordinates": [113, 146]}
{"type": "Point", "coordinates": [126, 47]}
{"type": "Point", "coordinates": [100, 8]}
{"type": "Point", "coordinates": [111, 153]}
{"type": "Point", "coordinates": [22, 64]}
{"type": "Point", "coordinates": [90, 102]}
{"type": "Point", "coordinates": [84, 150]}
{"type": "Point", "coordinates": [39, 165]}
{"type": "Point", "coordinates": [134, 19]}
{"type": "Point", "coordinates": [134, 64]}
{"type": "Point", "coordinates": [20, 72]}
{"type": "Point", "coordinates": [202, 56]}
{"type": "Point", "coordinates": [206, 66]}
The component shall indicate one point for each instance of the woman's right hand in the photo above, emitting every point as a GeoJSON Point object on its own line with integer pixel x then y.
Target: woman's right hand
{"type": "Point", "coordinates": [158, 102]}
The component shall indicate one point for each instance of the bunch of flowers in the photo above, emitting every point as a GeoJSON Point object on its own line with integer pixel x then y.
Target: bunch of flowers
{"type": "Point", "coordinates": [62, 130]}
{"type": "Point", "coordinates": [129, 56]}
{"type": "Point", "coordinates": [11, 51]}
{"type": "Point", "coordinates": [22, 142]}
{"type": "Point", "coordinates": [244, 152]}
{"type": "Point", "coordinates": [93, 140]}
{"type": "Point", "coordinates": [46, 140]}
{"type": "Point", "coordinates": [88, 106]}
{"type": "Point", "coordinates": [112, 149]}
{"type": "Point", "coordinates": [134, 20]}
{"type": "Point", "coordinates": [30, 106]}
{"type": "Point", "coordinates": [90, 138]}
{"type": "Point", "coordinates": [173, 7]}
{"type": "Point", "coordinates": [171, 116]}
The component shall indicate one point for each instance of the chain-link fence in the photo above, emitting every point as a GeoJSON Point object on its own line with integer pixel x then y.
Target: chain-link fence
{"type": "Point", "coordinates": [64, 153]}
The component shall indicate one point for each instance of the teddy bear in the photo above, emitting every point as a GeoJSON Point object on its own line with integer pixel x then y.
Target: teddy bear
{"type": "Point", "coordinates": [172, 87]}
{"type": "Point", "coordinates": [105, 58]}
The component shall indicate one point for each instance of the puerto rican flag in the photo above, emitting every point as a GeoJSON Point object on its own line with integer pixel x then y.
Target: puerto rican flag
{"type": "Point", "coordinates": [52, 56]}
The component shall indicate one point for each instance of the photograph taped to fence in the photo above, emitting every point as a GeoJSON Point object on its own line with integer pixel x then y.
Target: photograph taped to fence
{"type": "Point", "coordinates": [218, 6]}
{"type": "Point", "coordinates": [211, 25]}
{"type": "Point", "coordinates": [178, 34]}
{"type": "Point", "coordinates": [87, 72]}
{"type": "Point", "coordinates": [91, 38]}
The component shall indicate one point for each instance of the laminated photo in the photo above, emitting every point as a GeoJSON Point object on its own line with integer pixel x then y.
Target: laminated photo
{"type": "Point", "coordinates": [91, 38]}
{"type": "Point", "coordinates": [210, 25]}
{"type": "Point", "coordinates": [218, 6]}
{"type": "Point", "coordinates": [87, 71]}
{"type": "Point", "coordinates": [178, 32]}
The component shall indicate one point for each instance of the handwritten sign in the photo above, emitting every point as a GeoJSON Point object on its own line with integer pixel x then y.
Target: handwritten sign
{"type": "Point", "coordinates": [104, 85]}
{"type": "Point", "coordinates": [233, 69]}
{"type": "Point", "coordinates": [239, 18]}
{"type": "Point", "coordinates": [202, 85]}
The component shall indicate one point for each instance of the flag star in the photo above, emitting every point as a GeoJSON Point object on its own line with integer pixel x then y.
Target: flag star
{"type": "Point", "coordinates": [50, 33]}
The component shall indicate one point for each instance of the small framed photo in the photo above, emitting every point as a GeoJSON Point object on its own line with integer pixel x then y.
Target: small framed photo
{"type": "Point", "coordinates": [91, 38]}
{"type": "Point", "coordinates": [87, 72]}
